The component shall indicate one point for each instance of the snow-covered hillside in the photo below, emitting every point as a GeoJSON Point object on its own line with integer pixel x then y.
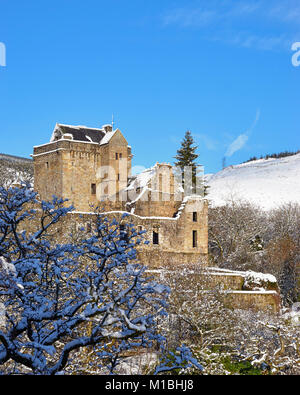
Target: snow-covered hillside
{"type": "Point", "coordinates": [14, 169]}
{"type": "Point", "coordinates": [266, 182]}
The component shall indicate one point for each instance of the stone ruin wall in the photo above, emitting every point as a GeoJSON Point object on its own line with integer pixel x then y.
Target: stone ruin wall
{"type": "Point", "coordinates": [167, 255]}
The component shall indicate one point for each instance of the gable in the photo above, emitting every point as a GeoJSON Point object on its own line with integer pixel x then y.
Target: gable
{"type": "Point", "coordinates": [114, 138]}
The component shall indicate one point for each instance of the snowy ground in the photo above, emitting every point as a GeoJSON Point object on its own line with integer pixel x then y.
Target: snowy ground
{"type": "Point", "coordinates": [268, 183]}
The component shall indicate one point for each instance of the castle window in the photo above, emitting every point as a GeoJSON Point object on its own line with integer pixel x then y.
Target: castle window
{"type": "Point", "coordinates": [117, 156]}
{"type": "Point", "coordinates": [160, 182]}
{"type": "Point", "coordinates": [195, 217]}
{"type": "Point", "coordinates": [120, 155]}
{"type": "Point", "coordinates": [155, 237]}
{"type": "Point", "coordinates": [47, 165]}
{"type": "Point", "coordinates": [123, 233]}
{"type": "Point", "coordinates": [195, 239]}
{"type": "Point", "coordinates": [93, 189]}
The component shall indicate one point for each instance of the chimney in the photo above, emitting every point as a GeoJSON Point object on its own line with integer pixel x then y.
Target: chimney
{"type": "Point", "coordinates": [107, 128]}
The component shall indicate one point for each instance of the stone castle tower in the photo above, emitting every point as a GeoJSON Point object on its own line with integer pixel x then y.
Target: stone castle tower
{"type": "Point", "coordinates": [84, 165]}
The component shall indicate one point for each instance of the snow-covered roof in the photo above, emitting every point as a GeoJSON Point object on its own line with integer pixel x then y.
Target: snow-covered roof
{"type": "Point", "coordinates": [107, 137]}
{"type": "Point", "coordinates": [83, 134]}
{"type": "Point", "coordinates": [78, 133]}
{"type": "Point", "coordinates": [142, 179]}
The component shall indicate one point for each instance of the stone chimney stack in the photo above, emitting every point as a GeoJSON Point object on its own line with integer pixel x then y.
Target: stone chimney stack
{"type": "Point", "coordinates": [107, 128]}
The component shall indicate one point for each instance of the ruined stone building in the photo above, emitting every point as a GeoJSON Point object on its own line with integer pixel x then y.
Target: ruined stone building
{"type": "Point", "coordinates": [92, 168]}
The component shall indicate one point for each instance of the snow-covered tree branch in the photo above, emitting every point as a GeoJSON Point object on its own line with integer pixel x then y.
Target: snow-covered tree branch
{"type": "Point", "coordinates": [59, 298]}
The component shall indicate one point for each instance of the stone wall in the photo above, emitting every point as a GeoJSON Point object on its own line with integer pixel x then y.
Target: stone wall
{"type": "Point", "coordinates": [48, 170]}
{"type": "Point", "coordinates": [84, 173]}
{"type": "Point", "coordinates": [246, 290]}
{"type": "Point", "coordinates": [229, 288]}
{"type": "Point", "coordinates": [174, 236]}
{"type": "Point", "coordinates": [255, 300]}
{"type": "Point", "coordinates": [226, 281]}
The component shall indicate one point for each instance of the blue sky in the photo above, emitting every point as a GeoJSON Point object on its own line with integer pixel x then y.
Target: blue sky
{"type": "Point", "coordinates": [221, 69]}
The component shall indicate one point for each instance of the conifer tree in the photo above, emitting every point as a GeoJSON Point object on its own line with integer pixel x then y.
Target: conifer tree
{"type": "Point", "coordinates": [186, 157]}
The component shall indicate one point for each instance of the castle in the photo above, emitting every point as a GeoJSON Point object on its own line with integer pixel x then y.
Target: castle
{"type": "Point", "coordinates": [92, 168]}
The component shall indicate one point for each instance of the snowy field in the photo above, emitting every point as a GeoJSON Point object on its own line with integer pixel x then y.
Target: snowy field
{"type": "Point", "coordinates": [266, 182]}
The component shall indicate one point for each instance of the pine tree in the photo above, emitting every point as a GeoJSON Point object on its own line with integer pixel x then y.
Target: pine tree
{"type": "Point", "coordinates": [186, 157]}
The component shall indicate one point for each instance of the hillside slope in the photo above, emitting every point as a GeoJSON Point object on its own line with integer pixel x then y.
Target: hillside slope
{"type": "Point", "coordinates": [14, 169]}
{"type": "Point", "coordinates": [265, 182]}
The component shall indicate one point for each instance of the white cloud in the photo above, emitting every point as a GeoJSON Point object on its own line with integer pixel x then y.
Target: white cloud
{"type": "Point", "coordinates": [250, 40]}
{"type": "Point", "coordinates": [210, 144]}
{"type": "Point", "coordinates": [223, 22]}
{"type": "Point", "coordinates": [2, 54]}
{"type": "Point", "coordinates": [238, 144]}
{"type": "Point", "coordinates": [242, 139]}
{"type": "Point", "coordinates": [187, 17]}
{"type": "Point", "coordinates": [208, 13]}
{"type": "Point", "coordinates": [285, 11]}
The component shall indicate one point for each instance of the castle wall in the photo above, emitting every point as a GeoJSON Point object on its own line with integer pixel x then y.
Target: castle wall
{"type": "Point", "coordinates": [48, 170]}
{"type": "Point", "coordinates": [150, 208]}
{"type": "Point", "coordinates": [115, 167]}
{"type": "Point", "coordinates": [232, 281]}
{"type": "Point", "coordinates": [253, 300]}
{"type": "Point", "coordinates": [162, 197]}
{"type": "Point", "coordinates": [67, 169]}
{"type": "Point", "coordinates": [171, 247]}
{"type": "Point", "coordinates": [80, 166]}
{"type": "Point", "coordinates": [194, 218]}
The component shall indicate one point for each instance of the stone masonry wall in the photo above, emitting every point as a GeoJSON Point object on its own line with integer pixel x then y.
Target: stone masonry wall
{"type": "Point", "coordinates": [68, 169]}
{"type": "Point", "coordinates": [171, 248]}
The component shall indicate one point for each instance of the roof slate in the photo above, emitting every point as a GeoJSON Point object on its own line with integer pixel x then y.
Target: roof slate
{"type": "Point", "coordinates": [79, 133]}
{"type": "Point", "coordinates": [82, 133]}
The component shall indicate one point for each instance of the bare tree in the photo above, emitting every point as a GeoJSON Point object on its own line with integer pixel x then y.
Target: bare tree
{"type": "Point", "coordinates": [242, 237]}
{"type": "Point", "coordinates": [233, 229]}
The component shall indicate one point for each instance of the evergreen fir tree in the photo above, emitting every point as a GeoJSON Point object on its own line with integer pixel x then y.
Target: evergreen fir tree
{"type": "Point", "coordinates": [186, 157]}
